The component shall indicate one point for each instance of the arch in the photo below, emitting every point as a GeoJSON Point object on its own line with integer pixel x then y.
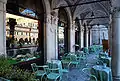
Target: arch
{"type": "Point", "coordinates": [64, 17]}
{"type": "Point", "coordinates": [58, 3]}
{"type": "Point", "coordinates": [77, 11]}
{"type": "Point", "coordinates": [46, 6]}
{"type": "Point", "coordinates": [104, 8]}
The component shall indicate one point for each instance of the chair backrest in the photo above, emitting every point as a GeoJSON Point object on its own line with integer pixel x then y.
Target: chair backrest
{"type": "Point", "coordinates": [64, 56]}
{"type": "Point", "coordinates": [60, 67]}
{"type": "Point", "coordinates": [3, 79]}
{"type": "Point", "coordinates": [85, 49]}
{"type": "Point", "coordinates": [103, 75]}
{"type": "Point", "coordinates": [67, 57]}
{"type": "Point", "coordinates": [34, 67]}
{"type": "Point", "coordinates": [73, 58]}
{"type": "Point", "coordinates": [57, 64]}
{"type": "Point", "coordinates": [88, 71]}
{"type": "Point", "coordinates": [93, 78]}
{"type": "Point", "coordinates": [100, 62]}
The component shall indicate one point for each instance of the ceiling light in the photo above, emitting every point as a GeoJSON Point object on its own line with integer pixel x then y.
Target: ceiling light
{"type": "Point", "coordinates": [92, 14]}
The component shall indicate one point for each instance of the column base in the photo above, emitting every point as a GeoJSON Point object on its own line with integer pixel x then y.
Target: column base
{"type": "Point", "coordinates": [116, 78]}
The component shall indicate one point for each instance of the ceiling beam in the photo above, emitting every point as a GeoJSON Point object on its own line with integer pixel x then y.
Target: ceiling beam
{"type": "Point", "coordinates": [81, 4]}
{"type": "Point", "coordinates": [95, 18]}
{"type": "Point", "coordinates": [99, 24]}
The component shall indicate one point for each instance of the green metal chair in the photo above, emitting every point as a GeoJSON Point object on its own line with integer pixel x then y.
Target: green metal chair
{"type": "Point", "coordinates": [74, 61]}
{"type": "Point", "coordinates": [3, 79]}
{"type": "Point", "coordinates": [82, 57]}
{"type": "Point", "coordinates": [63, 70]}
{"type": "Point", "coordinates": [53, 72]}
{"type": "Point", "coordinates": [91, 77]}
{"type": "Point", "coordinates": [38, 73]}
{"type": "Point", "coordinates": [86, 50]}
{"type": "Point", "coordinates": [92, 49]}
{"type": "Point", "coordinates": [99, 62]}
{"type": "Point", "coordinates": [66, 60]}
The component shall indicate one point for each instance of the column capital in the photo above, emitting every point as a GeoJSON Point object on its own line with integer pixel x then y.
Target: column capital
{"type": "Point", "coordinates": [3, 1]}
{"type": "Point", "coordinates": [48, 18]}
{"type": "Point", "coordinates": [115, 3]}
{"type": "Point", "coordinates": [73, 25]}
{"type": "Point", "coordinates": [116, 12]}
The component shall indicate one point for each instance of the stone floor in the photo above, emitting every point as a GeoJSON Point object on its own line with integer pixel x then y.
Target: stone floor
{"type": "Point", "coordinates": [76, 74]}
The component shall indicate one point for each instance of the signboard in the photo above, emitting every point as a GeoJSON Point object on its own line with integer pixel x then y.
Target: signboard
{"type": "Point", "coordinates": [27, 12]}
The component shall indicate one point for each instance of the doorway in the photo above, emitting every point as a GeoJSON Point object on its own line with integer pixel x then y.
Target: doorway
{"type": "Point", "coordinates": [63, 33]}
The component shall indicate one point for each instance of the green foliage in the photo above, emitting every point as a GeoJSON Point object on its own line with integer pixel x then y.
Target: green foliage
{"type": "Point", "coordinates": [14, 73]}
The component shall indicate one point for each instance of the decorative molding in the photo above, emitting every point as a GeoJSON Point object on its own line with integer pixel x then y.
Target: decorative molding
{"type": "Point", "coordinates": [54, 20]}
{"type": "Point", "coordinates": [52, 30]}
{"type": "Point", "coordinates": [115, 9]}
{"type": "Point", "coordinates": [2, 7]}
{"type": "Point", "coordinates": [3, 1]}
{"type": "Point", "coordinates": [73, 25]}
{"type": "Point", "coordinates": [48, 19]}
{"type": "Point", "coordinates": [115, 12]}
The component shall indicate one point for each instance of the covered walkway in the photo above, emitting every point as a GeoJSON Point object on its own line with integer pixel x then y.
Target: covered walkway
{"type": "Point", "coordinates": [76, 74]}
{"type": "Point", "coordinates": [38, 31]}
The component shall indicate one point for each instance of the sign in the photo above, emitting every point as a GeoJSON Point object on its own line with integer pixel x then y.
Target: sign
{"type": "Point", "coordinates": [27, 12]}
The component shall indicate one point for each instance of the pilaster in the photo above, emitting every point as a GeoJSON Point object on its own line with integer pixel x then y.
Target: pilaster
{"type": "Point", "coordinates": [2, 27]}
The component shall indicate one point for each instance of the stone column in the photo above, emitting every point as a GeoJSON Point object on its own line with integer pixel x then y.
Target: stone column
{"type": "Point", "coordinates": [79, 37]}
{"type": "Point", "coordinates": [56, 36]}
{"type": "Point", "coordinates": [89, 37]}
{"type": "Point", "coordinates": [82, 36]}
{"type": "Point", "coordinates": [116, 44]}
{"type": "Point", "coordinates": [51, 36]}
{"type": "Point", "coordinates": [2, 27]}
{"type": "Point", "coordinates": [110, 36]}
{"type": "Point", "coordinates": [85, 36]}
{"type": "Point", "coordinates": [72, 37]}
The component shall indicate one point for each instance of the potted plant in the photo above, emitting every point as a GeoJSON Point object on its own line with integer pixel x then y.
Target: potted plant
{"type": "Point", "coordinates": [7, 71]}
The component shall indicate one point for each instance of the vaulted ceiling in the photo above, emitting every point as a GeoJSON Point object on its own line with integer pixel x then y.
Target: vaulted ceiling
{"type": "Point", "coordinates": [100, 9]}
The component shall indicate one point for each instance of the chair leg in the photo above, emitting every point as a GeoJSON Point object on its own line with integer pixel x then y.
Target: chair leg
{"type": "Point", "coordinates": [69, 66]}
{"type": "Point", "coordinates": [42, 77]}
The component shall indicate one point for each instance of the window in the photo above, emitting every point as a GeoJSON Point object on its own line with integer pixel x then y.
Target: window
{"type": "Point", "coordinates": [8, 32]}
{"type": "Point", "coordinates": [21, 33]}
{"type": "Point", "coordinates": [16, 33]}
{"type": "Point", "coordinates": [26, 33]}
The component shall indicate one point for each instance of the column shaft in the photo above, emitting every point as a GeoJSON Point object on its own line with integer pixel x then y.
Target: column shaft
{"type": "Point", "coordinates": [89, 37]}
{"type": "Point", "coordinates": [2, 27]}
{"type": "Point", "coordinates": [85, 36]}
{"type": "Point", "coordinates": [116, 46]}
